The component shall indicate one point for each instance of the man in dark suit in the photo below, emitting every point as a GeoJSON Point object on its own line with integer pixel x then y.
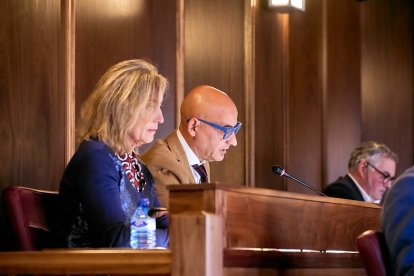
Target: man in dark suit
{"type": "Point", "coordinates": [371, 170]}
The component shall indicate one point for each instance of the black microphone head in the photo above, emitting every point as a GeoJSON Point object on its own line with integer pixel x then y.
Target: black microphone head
{"type": "Point", "coordinates": [278, 170]}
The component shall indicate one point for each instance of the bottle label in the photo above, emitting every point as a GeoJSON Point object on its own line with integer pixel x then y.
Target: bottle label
{"type": "Point", "coordinates": [143, 233]}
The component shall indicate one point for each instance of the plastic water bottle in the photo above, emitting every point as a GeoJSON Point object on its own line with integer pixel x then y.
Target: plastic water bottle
{"type": "Point", "coordinates": [142, 227]}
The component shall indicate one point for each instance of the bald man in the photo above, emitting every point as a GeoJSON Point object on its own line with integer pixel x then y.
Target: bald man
{"type": "Point", "coordinates": [208, 127]}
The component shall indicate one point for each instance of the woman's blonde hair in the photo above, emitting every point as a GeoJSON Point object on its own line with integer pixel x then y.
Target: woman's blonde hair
{"type": "Point", "coordinates": [118, 101]}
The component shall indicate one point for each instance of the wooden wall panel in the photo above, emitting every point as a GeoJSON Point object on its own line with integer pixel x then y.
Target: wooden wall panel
{"type": "Point", "coordinates": [32, 133]}
{"type": "Point", "coordinates": [342, 73]}
{"type": "Point", "coordinates": [214, 55]}
{"type": "Point", "coordinates": [305, 97]}
{"type": "Point", "coordinates": [387, 76]}
{"type": "Point", "coordinates": [31, 115]}
{"type": "Point", "coordinates": [109, 31]}
{"type": "Point", "coordinates": [270, 95]}
{"type": "Point", "coordinates": [342, 86]}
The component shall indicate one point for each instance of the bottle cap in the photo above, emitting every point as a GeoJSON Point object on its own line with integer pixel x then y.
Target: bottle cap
{"type": "Point", "coordinates": [143, 202]}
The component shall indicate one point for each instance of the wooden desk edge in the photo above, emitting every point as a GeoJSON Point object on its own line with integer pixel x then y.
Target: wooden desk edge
{"type": "Point", "coordinates": [251, 257]}
{"type": "Point", "coordinates": [90, 261]}
{"type": "Point", "coordinates": [270, 192]}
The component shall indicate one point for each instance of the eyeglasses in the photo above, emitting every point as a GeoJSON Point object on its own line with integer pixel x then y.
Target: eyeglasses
{"type": "Point", "coordinates": [384, 175]}
{"type": "Point", "coordinates": [228, 131]}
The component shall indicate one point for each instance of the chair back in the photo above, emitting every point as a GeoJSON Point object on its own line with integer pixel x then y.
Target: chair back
{"type": "Point", "coordinates": [374, 253]}
{"type": "Point", "coordinates": [30, 214]}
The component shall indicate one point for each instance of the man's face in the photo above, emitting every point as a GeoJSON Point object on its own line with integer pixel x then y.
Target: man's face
{"type": "Point", "coordinates": [209, 142]}
{"type": "Point", "coordinates": [376, 180]}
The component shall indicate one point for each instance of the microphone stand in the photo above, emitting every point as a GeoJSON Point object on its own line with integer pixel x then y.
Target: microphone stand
{"type": "Point", "coordinates": [280, 171]}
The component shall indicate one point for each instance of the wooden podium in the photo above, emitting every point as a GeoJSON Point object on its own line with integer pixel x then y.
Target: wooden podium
{"type": "Point", "coordinates": [219, 229]}
{"type": "Point", "coordinates": [232, 230]}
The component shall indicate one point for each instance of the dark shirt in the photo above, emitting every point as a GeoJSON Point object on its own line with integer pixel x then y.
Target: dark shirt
{"type": "Point", "coordinates": [98, 200]}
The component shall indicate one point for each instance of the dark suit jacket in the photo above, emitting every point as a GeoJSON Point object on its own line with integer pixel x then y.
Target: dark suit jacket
{"type": "Point", "coordinates": [344, 187]}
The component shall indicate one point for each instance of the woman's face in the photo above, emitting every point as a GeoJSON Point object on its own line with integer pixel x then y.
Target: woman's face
{"type": "Point", "coordinates": [147, 125]}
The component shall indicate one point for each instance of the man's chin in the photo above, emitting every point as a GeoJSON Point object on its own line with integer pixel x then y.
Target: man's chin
{"type": "Point", "coordinates": [219, 158]}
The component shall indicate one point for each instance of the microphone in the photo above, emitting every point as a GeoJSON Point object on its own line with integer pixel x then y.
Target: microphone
{"type": "Point", "coordinates": [280, 171]}
{"type": "Point", "coordinates": [157, 211]}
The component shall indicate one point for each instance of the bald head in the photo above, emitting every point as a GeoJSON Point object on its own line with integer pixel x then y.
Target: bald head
{"type": "Point", "coordinates": [202, 110]}
{"type": "Point", "coordinates": [205, 102]}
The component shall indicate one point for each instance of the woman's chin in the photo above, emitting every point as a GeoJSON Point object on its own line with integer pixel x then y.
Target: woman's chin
{"type": "Point", "coordinates": [147, 140]}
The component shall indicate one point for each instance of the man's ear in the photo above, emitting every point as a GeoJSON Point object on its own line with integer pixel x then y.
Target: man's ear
{"type": "Point", "coordinates": [192, 126]}
{"type": "Point", "coordinates": [362, 167]}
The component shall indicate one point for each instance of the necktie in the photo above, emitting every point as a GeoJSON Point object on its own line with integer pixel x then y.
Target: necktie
{"type": "Point", "coordinates": [201, 170]}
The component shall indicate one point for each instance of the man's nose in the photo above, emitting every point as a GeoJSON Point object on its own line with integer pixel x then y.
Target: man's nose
{"type": "Point", "coordinates": [388, 184]}
{"type": "Point", "coordinates": [232, 140]}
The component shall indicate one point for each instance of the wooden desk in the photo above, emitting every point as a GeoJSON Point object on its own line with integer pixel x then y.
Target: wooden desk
{"type": "Point", "coordinates": [250, 230]}
{"type": "Point", "coordinates": [87, 262]}
{"type": "Point", "coordinates": [229, 230]}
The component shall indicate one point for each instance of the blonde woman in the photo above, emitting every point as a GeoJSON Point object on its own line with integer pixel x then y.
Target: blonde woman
{"type": "Point", "coordinates": [105, 178]}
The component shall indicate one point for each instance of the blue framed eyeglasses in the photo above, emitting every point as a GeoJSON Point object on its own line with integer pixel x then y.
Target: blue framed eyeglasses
{"type": "Point", "coordinates": [384, 175]}
{"type": "Point", "coordinates": [228, 131]}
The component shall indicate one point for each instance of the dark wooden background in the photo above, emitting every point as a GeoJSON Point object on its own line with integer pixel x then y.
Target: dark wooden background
{"type": "Point", "coordinates": [309, 85]}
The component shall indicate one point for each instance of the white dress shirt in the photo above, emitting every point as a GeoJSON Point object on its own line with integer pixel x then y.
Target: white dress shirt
{"type": "Point", "coordinates": [192, 158]}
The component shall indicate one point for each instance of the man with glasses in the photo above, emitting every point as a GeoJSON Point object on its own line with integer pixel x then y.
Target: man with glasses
{"type": "Point", "coordinates": [371, 170]}
{"type": "Point", "coordinates": [208, 127]}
